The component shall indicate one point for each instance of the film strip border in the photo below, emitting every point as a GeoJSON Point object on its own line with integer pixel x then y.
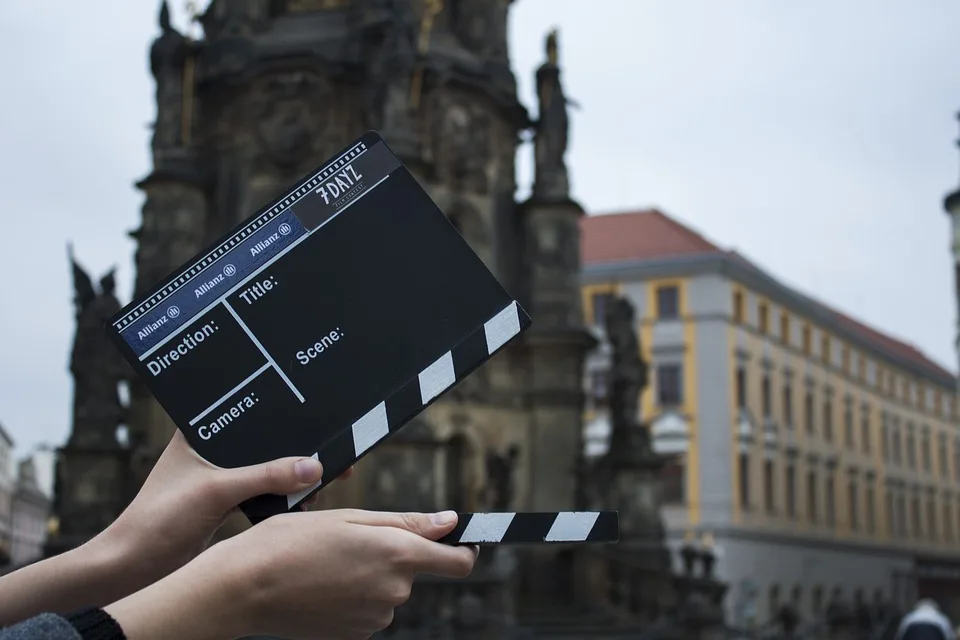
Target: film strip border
{"type": "Point", "coordinates": [551, 527]}
{"type": "Point", "coordinates": [390, 415]}
{"type": "Point", "coordinates": [240, 235]}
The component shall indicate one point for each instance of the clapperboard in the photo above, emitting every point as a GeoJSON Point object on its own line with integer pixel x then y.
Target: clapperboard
{"type": "Point", "coordinates": [320, 325]}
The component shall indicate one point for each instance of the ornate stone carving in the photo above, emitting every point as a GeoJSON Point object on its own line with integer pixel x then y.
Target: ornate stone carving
{"type": "Point", "coordinates": [460, 142]}
{"type": "Point", "coordinates": [287, 121]}
{"type": "Point", "coordinates": [95, 363]}
{"type": "Point", "coordinates": [551, 181]}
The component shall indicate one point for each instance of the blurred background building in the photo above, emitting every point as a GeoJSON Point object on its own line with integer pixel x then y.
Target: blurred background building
{"type": "Point", "coordinates": [822, 454]}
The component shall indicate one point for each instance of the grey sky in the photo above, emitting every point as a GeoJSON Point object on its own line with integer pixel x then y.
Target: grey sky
{"type": "Point", "coordinates": [816, 137]}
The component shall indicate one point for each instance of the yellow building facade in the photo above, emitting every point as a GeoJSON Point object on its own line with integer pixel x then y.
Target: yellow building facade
{"type": "Point", "coordinates": [823, 455]}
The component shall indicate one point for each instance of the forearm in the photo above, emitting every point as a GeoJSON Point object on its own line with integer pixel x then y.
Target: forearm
{"type": "Point", "coordinates": [204, 600]}
{"type": "Point", "coordinates": [84, 577]}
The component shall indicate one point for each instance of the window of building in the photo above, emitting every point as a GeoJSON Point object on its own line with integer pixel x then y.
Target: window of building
{"type": "Point", "coordinates": [769, 487]}
{"type": "Point", "coordinates": [853, 505]}
{"type": "Point", "coordinates": [925, 453]}
{"type": "Point", "coordinates": [901, 511]}
{"type": "Point", "coordinates": [865, 428]}
{"type": "Point", "coordinates": [870, 509]}
{"type": "Point", "coordinates": [862, 367]}
{"type": "Point", "coordinates": [848, 423]}
{"type": "Point", "coordinates": [763, 317]}
{"type": "Point", "coordinates": [931, 518]}
{"type": "Point", "coordinates": [741, 387]}
{"type": "Point", "coordinates": [956, 513]}
{"type": "Point", "coordinates": [790, 482]}
{"type": "Point", "coordinates": [784, 327]}
{"type": "Point", "coordinates": [890, 507]}
{"type": "Point", "coordinates": [828, 419]}
{"type": "Point", "coordinates": [774, 600]}
{"type": "Point", "coordinates": [806, 339]}
{"type": "Point", "coordinates": [956, 460]}
{"type": "Point", "coordinates": [845, 358]}
{"type": "Point", "coordinates": [916, 523]}
{"type": "Point", "coordinates": [808, 412]}
{"type": "Point", "coordinates": [947, 521]}
{"type": "Point", "coordinates": [896, 446]}
{"type": "Point", "coordinates": [765, 400]}
{"type": "Point", "coordinates": [830, 501]}
{"type": "Point", "coordinates": [600, 303]}
{"type": "Point", "coordinates": [738, 315]}
{"type": "Point", "coordinates": [673, 480]}
{"type": "Point", "coordinates": [668, 302]}
{"type": "Point", "coordinates": [825, 349]}
{"type": "Point", "coordinates": [944, 472]}
{"type": "Point", "coordinates": [787, 405]}
{"type": "Point", "coordinates": [911, 448]}
{"type": "Point", "coordinates": [812, 490]}
{"type": "Point", "coordinates": [744, 479]}
{"type": "Point", "coordinates": [884, 437]}
{"type": "Point", "coordinates": [669, 385]}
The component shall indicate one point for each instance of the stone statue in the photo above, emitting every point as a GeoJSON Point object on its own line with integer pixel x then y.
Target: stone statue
{"type": "Point", "coordinates": [95, 363]}
{"type": "Point", "coordinates": [167, 57]}
{"type": "Point", "coordinates": [551, 181]}
{"type": "Point", "coordinates": [392, 65]}
{"type": "Point", "coordinates": [500, 467]}
{"type": "Point", "coordinates": [628, 378]}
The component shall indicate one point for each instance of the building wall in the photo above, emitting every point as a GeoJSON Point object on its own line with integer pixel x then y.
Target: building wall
{"type": "Point", "coordinates": [879, 444]}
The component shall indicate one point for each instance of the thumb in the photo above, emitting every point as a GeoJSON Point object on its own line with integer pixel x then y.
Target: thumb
{"type": "Point", "coordinates": [278, 477]}
{"type": "Point", "coordinates": [431, 526]}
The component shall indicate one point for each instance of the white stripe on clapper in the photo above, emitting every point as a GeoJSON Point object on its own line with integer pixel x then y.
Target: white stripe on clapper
{"type": "Point", "coordinates": [501, 327]}
{"type": "Point", "coordinates": [370, 429]}
{"type": "Point", "coordinates": [487, 527]}
{"type": "Point", "coordinates": [572, 526]}
{"type": "Point", "coordinates": [437, 377]}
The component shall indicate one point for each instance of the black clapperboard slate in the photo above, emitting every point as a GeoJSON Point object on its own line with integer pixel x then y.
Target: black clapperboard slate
{"type": "Point", "coordinates": [321, 324]}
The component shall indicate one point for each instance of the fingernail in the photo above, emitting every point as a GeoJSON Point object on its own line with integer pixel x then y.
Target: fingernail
{"type": "Point", "coordinates": [308, 470]}
{"type": "Point", "coordinates": [443, 518]}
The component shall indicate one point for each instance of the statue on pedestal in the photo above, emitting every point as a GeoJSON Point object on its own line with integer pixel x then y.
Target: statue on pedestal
{"type": "Point", "coordinates": [95, 363]}
{"type": "Point", "coordinates": [551, 181]}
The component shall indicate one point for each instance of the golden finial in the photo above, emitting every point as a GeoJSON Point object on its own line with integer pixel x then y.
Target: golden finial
{"type": "Point", "coordinates": [53, 526]}
{"type": "Point", "coordinates": [553, 46]}
{"type": "Point", "coordinates": [431, 10]}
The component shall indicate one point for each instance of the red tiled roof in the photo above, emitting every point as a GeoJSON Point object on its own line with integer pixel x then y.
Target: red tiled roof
{"type": "Point", "coordinates": [650, 234]}
{"type": "Point", "coordinates": [644, 235]}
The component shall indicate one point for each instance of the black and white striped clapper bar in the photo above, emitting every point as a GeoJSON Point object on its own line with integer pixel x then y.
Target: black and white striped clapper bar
{"type": "Point", "coordinates": [536, 528]}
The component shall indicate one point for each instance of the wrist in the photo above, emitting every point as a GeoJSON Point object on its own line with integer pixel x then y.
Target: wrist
{"type": "Point", "coordinates": [205, 600]}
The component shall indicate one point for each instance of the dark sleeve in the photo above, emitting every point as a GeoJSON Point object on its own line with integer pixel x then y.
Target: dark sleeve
{"type": "Point", "coordinates": [90, 624]}
{"type": "Point", "coordinates": [95, 624]}
{"type": "Point", "coordinates": [46, 626]}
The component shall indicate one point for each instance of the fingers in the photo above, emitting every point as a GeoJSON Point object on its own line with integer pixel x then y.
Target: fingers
{"type": "Point", "coordinates": [420, 551]}
{"type": "Point", "coordinates": [279, 477]}
{"type": "Point", "coordinates": [432, 526]}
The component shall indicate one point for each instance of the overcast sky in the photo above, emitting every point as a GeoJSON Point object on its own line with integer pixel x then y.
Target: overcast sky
{"type": "Point", "coordinates": [815, 137]}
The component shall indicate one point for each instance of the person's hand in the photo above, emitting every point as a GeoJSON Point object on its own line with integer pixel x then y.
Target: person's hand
{"type": "Point", "coordinates": [183, 503]}
{"type": "Point", "coordinates": [336, 575]}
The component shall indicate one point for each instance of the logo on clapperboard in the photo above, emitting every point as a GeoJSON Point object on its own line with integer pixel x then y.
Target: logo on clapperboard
{"type": "Point", "coordinates": [285, 229]}
{"type": "Point", "coordinates": [229, 270]}
{"type": "Point", "coordinates": [173, 312]}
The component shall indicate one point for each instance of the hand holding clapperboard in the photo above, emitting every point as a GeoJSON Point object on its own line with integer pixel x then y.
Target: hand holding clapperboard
{"type": "Point", "coordinates": [324, 323]}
